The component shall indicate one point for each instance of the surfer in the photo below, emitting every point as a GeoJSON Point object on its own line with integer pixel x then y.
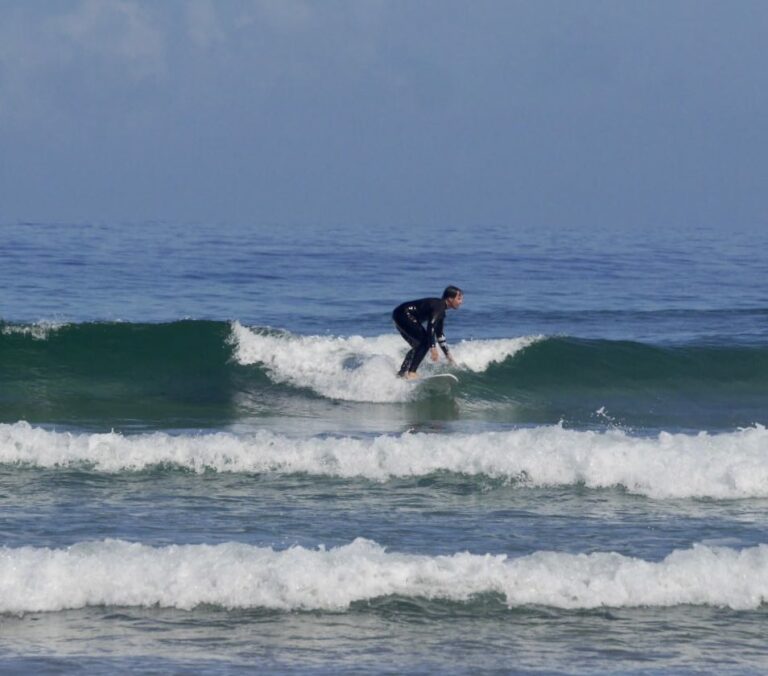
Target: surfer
{"type": "Point", "coordinates": [410, 317]}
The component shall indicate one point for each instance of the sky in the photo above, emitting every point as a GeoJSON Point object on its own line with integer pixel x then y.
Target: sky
{"type": "Point", "coordinates": [376, 113]}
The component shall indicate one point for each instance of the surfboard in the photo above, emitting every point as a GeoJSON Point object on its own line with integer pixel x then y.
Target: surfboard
{"type": "Point", "coordinates": [441, 383]}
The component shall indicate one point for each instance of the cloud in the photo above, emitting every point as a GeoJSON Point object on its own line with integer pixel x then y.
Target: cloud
{"type": "Point", "coordinates": [282, 15]}
{"type": "Point", "coordinates": [26, 52]}
{"type": "Point", "coordinates": [120, 31]}
{"type": "Point", "coordinates": [50, 54]}
{"type": "Point", "coordinates": [203, 24]}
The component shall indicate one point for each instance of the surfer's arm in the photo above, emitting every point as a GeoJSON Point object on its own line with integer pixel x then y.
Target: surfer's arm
{"type": "Point", "coordinates": [435, 327]}
{"type": "Point", "coordinates": [438, 338]}
{"type": "Point", "coordinates": [444, 347]}
{"type": "Point", "coordinates": [443, 343]}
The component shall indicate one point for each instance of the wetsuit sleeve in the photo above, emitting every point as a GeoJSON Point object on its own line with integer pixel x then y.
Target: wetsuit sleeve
{"type": "Point", "coordinates": [440, 336]}
{"type": "Point", "coordinates": [435, 328]}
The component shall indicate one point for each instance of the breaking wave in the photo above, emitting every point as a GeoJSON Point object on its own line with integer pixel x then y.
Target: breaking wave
{"type": "Point", "coordinates": [723, 466]}
{"type": "Point", "coordinates": [233, 575]}
{"type": "Point", "coordinates": [183, 373]}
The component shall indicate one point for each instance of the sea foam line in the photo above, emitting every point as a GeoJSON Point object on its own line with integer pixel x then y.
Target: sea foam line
{"type": "Point", "coordinates": [234, 575]}
{"type": "Point", "coordinates": [354, 368]}
{"type": "Point", "coordinates": [723, 466]}
{"type": "Point", "coordinates": [40, 330]}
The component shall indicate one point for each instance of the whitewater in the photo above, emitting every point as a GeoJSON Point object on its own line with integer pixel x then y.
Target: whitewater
{"type": "Point", "coordinates": [723, 466]}
{"type": "Point", "coordinates": [355, 368]}
{"type": "Point", "coordinates": [232, 575]}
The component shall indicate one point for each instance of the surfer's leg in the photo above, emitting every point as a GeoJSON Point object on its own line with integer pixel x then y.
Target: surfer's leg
{"type": "Point", "coordinates": [406, 365]}
{"type": "Point", "coordinates": [413, 342]}
{"type": "Point", "coordinates": [419, 353]}
{"type": "Point", "coordinates": [415, 335]}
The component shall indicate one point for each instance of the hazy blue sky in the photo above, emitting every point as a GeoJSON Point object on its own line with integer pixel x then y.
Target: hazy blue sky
{"type": "Point", "coordinates": [372, 112]}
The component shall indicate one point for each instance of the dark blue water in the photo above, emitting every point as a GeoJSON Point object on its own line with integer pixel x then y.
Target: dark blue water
{"type": "Point", "coordinates": [207, 464]}
{"type": "Point", "coordinates": [661, 285]}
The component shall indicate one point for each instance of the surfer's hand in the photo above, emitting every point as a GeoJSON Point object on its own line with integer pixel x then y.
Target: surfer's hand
{"type": "Point", "coordinates": [433, 354]}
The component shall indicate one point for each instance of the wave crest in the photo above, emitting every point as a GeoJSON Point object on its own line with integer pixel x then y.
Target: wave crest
{"type": "Point", "coordinates": [353, 368]}
{"type": "Point", "coordinates": [232, 575]}
{"type": "Point", "coordinates": [723, 466]}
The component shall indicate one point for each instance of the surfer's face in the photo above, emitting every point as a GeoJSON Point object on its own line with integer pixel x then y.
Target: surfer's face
{"type": "Point", "coordinates": [456, 302]}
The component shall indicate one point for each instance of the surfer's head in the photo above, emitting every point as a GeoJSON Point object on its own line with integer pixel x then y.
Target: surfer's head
{"type": "Point", "coordinates": [453, 297]}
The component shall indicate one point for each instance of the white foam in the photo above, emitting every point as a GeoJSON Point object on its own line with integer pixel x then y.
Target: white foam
{"type": "Point", "coordinates": [37, 331]}
{"type": "Point", "coordinates": [232, 575]}
{"type": "Point", "coordinates": [723, 466]}
{"type": "Point", "coordinates": [353, 368]}
{"type": "Point", "coordinates": [478, 355]}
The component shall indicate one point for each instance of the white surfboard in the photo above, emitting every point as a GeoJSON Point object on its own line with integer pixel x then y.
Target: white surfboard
{"type": "Point", "coordinates": [441, 383]}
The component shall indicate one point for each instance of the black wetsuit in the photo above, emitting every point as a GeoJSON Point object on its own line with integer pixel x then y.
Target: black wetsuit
{"type": "Point", "coordinates": [409, 319]}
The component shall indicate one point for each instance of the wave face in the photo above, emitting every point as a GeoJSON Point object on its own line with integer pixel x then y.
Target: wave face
{"type": "Point", "coordinates": [231, 575]}
{"type": "Point", "coordinates": [115, 371]}
{"type": "Point", "coordinates": [723, 466]}
{"type": "Point", "coordinates": [191, 372]}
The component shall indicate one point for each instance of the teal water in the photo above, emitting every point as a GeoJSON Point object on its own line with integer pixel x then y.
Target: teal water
{"type": "Point", "coordinates": [204, 452]}
{"type": "Point", "coordinates": [187, 374]}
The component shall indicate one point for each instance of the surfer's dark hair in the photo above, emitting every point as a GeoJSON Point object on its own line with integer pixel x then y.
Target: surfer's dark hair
{"type": "Point", "coordinates": [451, 292]}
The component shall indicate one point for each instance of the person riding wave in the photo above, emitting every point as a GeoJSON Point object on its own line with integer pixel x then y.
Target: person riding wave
{"type": "Point", "coordinates": [420, 323]}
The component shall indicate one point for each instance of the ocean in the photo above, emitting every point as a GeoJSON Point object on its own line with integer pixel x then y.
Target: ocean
{"type": "Point", "coordinates": [207, 463]}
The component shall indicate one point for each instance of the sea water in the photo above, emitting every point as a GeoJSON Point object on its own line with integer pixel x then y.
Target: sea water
{"type": "Point", "coordinates": [208, 464]}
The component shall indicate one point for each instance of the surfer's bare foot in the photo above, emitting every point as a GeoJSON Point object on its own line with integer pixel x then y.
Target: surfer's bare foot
{"type": "Point", "coordinates": [411, 375]}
